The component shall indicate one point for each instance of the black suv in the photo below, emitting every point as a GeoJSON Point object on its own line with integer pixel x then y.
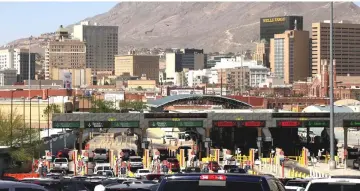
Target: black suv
{"type": "Point", "coordinates": [219, 182]}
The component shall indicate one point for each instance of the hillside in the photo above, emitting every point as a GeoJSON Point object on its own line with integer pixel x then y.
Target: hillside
{"type": "Point", "coordinates": [223, 26]}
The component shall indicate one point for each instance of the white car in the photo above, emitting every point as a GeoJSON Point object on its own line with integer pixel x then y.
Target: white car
{"type": "Point", "coordinates": [101, 166]}
{"type": "Point", "coordinates": [348, 184]}
{"type": "Point", "coordinates": [140, 173]}
{"type": "Point", "coordinates": [294, 188]}
{"type": "Point", "coordinates": [136, 162]}
{"type": "Point", "coordinates": [61, 164]}
{"type": "Point", "coordinates": [107, 173]}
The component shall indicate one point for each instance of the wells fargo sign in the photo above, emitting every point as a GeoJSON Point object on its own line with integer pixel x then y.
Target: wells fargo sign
{"type": "Point", "coordinates": [273, 20]}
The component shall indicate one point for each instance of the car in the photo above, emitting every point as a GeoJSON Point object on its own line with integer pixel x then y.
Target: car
{"type": "Point", "coordinates": [139, 182]}
{"type": "Point", "coordinates": [214, 166]}
{"type": "Point", "coordinates": [129, 187]}
{"type": "Point", "coordinates": [192, 170]}
{"type": "Point", "coordinates": [294, 188]}
{"type": "Point", "coordinates": [101, 166]}
{"type": "Point", "coordinates": [298, 182]}
{"type": "Point", "coordinates": [330, 184]}
{"type": "Point", "coordinates": [356, 163]}
{"type": "Point", "coordinates": [172, 164]}
{"type": "Point", "coordinates": [140, 173]}
{"type": "Point", "coordinates": [107, 173]}
{"type": "Point", "coordinates": [100, 154]}
{"type": "Point", "coordinates": [61, 164]}
{"type": "Point", "coordinates": [219, 182]}
{"type": "Point", "coordinates": [135, 163]}
{"type": "Point", "coordinates": [19, 186]}
{"type": "Point", "coordinates": [127, 153]}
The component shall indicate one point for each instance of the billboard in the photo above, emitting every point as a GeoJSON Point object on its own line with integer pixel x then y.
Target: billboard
{"type": "Point", "coordinates": [114, 97]}
{"type": "Point", "coordinates": [186, 92]}
{"type": "Point", "coordinates": [67, 79]}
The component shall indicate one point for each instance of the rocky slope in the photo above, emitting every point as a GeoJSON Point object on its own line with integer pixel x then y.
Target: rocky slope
{"type": "Point", "coordinates": [222, 26]}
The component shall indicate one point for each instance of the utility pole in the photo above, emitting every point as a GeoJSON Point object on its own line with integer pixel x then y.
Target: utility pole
{"type": "Point", "coordinates": [332, 164]}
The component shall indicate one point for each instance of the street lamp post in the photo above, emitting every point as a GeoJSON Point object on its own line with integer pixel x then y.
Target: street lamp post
{"type": "Point", "coordinates": [22, 129]}
{"type": "Point", "coordinates": [332, 164]}
{"type": "Point", "coordinates": [39, 117]}
{"type": "Point", "coordinates": [11, 119]}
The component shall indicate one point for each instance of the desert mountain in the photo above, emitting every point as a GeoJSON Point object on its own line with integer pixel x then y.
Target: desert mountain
{"type": "Point", "coordinates": [214, 26]}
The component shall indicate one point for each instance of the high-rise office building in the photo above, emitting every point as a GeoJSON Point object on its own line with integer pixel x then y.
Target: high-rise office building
{"type": "Point", "coordinates": [101, 45]}
{"type": "Point", "coordinates": [289, 55]}
{"type": "Point", "coordinates": [346, 47]}
{"type": "Point", "coordinates": [64, 53]}
{"type": "Point", "coordinates": [192, 59]}
{"type": "Point", "coordinates": [277, 25]}
{"type": "Point", "coordinates": [18, 59]}
{"type": "Point", "coordinates": [138, 65]}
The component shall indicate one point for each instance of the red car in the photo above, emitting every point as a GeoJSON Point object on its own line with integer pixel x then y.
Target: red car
{"type": "Point", "coordinates": [214, 166]}
{"type": "Point", "coordinates": [172, 164]}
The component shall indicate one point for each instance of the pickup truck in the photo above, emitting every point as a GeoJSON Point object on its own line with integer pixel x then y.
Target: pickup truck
{"type": "Point", "coordinates": [61, 164]}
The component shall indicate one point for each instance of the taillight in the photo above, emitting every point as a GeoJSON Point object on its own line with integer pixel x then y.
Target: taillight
{"type": "Point", "coordinates": [212, 177]}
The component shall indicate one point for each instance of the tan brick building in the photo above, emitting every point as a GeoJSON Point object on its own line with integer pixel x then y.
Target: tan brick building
{"type": "Point", "coordinates": [289, 55]}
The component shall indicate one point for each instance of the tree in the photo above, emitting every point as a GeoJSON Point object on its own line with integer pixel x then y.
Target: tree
{"type": "Point", "coordinates": [14, 130]}
{"type": "Point", "coordinates": [102, 106]}
{"type": "Point", "coordinates": [132, 105]}
{"type": "Point", "coordinates": [50, 109]}
{"type": "Point", "coordinates": [139, 88]}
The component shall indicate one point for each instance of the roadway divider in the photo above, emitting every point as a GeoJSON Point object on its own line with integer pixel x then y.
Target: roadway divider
{"type": "Point", "coordinates": [317, 174]}
{"type": "Point", "coordinates": [296, 174]}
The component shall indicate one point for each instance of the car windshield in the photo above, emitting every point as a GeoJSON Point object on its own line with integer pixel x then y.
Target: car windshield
{"type": "Point", "coordinates": [135, 160]}
{"type": "Point", "coordinates": [194, 186]}
{"type": "Point", "coordinates": [334, 186]}
{"type": "Point", "coordinates": [60, 160]}
{"type": "Point", "coordinates": [144, 171]}
{"type": "Point", "coordinates": [297, 183]}
{"type": "Point", "coordinates": [100, 151]}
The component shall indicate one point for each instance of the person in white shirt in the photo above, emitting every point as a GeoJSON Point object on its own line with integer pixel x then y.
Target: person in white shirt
{"type": "Point", "coordinates": [99, 187]}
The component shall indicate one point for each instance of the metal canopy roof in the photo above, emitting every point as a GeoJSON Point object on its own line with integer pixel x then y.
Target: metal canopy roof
{"type": "Point", "coordinates": [169, 99]}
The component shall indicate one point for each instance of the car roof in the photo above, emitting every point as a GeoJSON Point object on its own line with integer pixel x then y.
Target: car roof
{"type": "Point", "coordinates": [129, 186]}
{"type": "Point", "coordinates": [5, 183]}
{"type": "Point", "coordinates": [196, 176]}
{"type": "Point", "coordinates": [335, 180]}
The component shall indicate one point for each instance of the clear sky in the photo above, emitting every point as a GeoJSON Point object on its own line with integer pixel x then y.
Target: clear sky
{"type": "Point", "coordinates": [23, 19]}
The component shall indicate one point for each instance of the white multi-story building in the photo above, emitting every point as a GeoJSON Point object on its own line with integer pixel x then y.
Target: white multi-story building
{"type": "Point", "coordinates": [8, 76]}
{"type": "Point", "coordinates": [101, 45]}
{"type": "Point", "coordinates": [18, 59]}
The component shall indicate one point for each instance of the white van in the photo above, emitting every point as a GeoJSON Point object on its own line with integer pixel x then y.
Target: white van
{"type": "Point", "coordinates": [101, 166]}
{"type": "Point", "coordinates": [19, 186]}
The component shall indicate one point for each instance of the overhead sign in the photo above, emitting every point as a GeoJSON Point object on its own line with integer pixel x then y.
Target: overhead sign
{"type": "Point", "coordinates": [317, 123]}
{"type": "Point", "coordinates": [125, 124]}
{"type": "Point", "coordinates": [66, 124]}
{"type": "Point", "coordinates": [164, 124]}
{"type": "Point", "coordinates": [97, 124]}
{"type": "Point", "coordinates": [241, 123]}
{"type": "Point", "coordinates": [225, 123]}
{"type": "Point", "coordinates": [175, 115]}
{"type": "Point", "coordinates": [288, 123]}
{"type": "Point", "coordinates": [300, 115]}
{"type": "Point", "coordinates": [274, 19]}
{"type": "Point", "coordinates": [252, 123]}
{"type": "Point", "coordinates": [351, 123]}
{"type": "Point", "coordinates": [111, 124]}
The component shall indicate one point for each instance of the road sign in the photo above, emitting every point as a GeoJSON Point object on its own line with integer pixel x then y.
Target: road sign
{"type": "Point", "coordinates": [162, 124]}
{"type": "Point", "coordinates": [351, 123]}
{"type": "Point", "coordinates": [124, 124]}
{"type": "Point", "coordinates": [66, 124]}
{"type": "Point", "coordinates": [252, 123]}
{"type": "Point", "coordinates": [225, 123]}
{"type": "Point", "coordinates": [175, 115]}
{"type": "Point", "coordinates": [288, 123]}
{"type": "Point", "coordinates": [97, 124]}
{"type": "Point", "coordinates": [189, 124]}
{"type": "Point", "coordinates": [317, 123]}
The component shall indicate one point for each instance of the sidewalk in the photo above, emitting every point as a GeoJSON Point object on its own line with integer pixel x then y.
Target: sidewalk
{"type": "Point", "coordinates": [324, 168]}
